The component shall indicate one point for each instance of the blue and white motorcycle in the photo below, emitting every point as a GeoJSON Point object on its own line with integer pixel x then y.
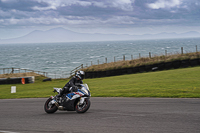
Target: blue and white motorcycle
{"type": "Point", "coordinates": [75, 101]}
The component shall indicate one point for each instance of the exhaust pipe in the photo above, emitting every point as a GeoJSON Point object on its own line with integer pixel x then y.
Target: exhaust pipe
{"type": "Point", "coordinates": [56, 103]}
{"type": "Point", "coordinates": [61, 108]}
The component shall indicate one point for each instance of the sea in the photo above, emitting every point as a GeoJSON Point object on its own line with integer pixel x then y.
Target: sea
{"type": "Point", "coordinates": [58, 59]}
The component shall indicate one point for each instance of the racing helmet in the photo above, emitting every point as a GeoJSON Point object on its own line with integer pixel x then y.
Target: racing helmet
{"type": "Point", "coordinates": [80, 75]}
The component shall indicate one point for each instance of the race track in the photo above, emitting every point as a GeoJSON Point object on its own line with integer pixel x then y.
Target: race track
{"type": "Point", "coordinates": [106, 115]}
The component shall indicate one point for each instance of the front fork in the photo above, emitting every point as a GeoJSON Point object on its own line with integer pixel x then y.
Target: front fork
{"type": "Point", "coordinates": [53, 101]}
{"type": "Point", "coordinates": [81, 101]}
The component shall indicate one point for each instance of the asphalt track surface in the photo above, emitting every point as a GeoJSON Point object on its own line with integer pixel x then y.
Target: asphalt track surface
{"type": "Point", "coordinates": [106, 115]}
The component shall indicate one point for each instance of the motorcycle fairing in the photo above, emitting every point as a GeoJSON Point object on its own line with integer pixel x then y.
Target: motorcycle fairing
{"type": "Point", "coordinates": [69, 105]}
{"type": "Point", "coordinates": [75, 95]}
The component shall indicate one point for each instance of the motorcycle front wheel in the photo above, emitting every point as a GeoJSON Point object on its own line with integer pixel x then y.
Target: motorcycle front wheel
{"type": "Point", "coordinates": [84, 107]}
{"type": "Point", "coordinates": [50, 108]}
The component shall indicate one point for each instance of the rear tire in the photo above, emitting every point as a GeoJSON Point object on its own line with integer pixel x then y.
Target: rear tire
{"type": "Point", "coordinates": [50, 108]}
{"type": "Point", "coordinates": [84, 107]}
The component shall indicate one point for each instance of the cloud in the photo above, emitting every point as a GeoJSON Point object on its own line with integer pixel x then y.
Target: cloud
{"type": "Point", "coordinates": [118, 4]}
{"type": "Point", "coordinates": [125, 5]}
{"type": "Point", "coordinates": [164, 4]}
{"type": "Point", "coordinates": [99, 13]}
{"type": "Point", "coordinates": [55, 4]}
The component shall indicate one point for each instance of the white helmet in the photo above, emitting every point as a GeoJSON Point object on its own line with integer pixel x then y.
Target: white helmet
{"type": "Point", "coordinates": [80, 75]}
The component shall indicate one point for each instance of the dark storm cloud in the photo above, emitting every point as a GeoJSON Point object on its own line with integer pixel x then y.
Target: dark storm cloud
{"type": "Point", "coordinates": [22, 5]}
{"type": "Point", "coordinates": [90, 12]}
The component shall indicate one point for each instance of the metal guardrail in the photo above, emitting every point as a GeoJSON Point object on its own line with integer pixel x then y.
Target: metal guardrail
{"type": "Point", "coordinates": [65, 74]}
{"type": "Point", "coordinates": [46, 74]}
{"type": "Point", "coordinates": [75, 70]}
{"type": "Point", "coordinates": [19, 70]}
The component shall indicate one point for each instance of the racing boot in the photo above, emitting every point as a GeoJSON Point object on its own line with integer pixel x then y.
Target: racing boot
{"type": "Point", "coordinates": [59, 97]}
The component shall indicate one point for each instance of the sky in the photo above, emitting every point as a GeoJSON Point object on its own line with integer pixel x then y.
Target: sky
{"type": "Point", "coordinates": [134, 17]}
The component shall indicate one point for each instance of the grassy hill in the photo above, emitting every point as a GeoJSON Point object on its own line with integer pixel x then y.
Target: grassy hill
{"type": "Point", "coordinates": [177, 83]}
{"type": "Point", "coordinates": [142, 61]}
{"type": "Point", "coordinates": [11, 75]}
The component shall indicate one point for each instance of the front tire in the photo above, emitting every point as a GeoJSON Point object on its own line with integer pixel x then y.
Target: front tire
{"type": "Point", "coordinates": [50, 108]}
{"type": "Point", "coordinates": [84, 107]}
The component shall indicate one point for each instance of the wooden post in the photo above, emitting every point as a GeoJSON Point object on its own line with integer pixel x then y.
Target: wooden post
{"type": "Point", "coordinates": [114, 58]}
{"type": "Point", "coordinates": [123, 57]}
{"type": "Point", "coordinates": [131, 57]}
{"type": "Point", "coordinates": [106, 60]}
{"type": "Point", "coordinates": [196, 49]}
{"type": "Point", "coordinates": [91, 63]}
{"type": "Point", "coordinates": [12, 70]}
{"type": "Point", "coordinates": [181, 50]}
{"type": "Point", "coordinates": [149, 54]}
{"type": "Point", "coordinates": [139, 56]}
{"type": "Point", "coordinates": [165, 52]}
{"type": "Point", "coordinates": [98, 62]}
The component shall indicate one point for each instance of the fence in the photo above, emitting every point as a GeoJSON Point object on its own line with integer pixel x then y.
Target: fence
{"type": "Point", "coordinates": [139, 56]}
{"type": "Point", "coordinates": [76, 69]}
{"type": "Point", "coordinates": [145, 68]}
{"type": "Point", "coordinates": [19, 70]}
{"type": "Point", "coordinates": [46, 74]}
{"type": "Point", "coordinates": [65, 74]}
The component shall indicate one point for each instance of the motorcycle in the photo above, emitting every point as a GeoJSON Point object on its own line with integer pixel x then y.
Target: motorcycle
{"type": "Point", "coordinates": [75, 101]}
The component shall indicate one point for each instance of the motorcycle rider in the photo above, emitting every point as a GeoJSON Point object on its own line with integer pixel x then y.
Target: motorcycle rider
{"type": "Point", "coordinates": [71, 85]}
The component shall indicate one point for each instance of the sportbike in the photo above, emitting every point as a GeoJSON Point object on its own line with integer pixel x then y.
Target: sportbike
{"type": "Point", "coordinates": [75, 101]}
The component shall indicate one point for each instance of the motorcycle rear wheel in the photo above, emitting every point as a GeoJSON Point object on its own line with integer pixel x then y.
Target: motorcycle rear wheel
{"type": "Point", "coordinates": [50, 109]}
{"type": "Point", "coordinates": [84, 107]}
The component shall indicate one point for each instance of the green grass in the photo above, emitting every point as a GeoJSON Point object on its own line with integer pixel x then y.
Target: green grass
{"type": "Point", "coordinates": [172, 83]}
{"type": "Point", "coordinates": [177, 83]}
